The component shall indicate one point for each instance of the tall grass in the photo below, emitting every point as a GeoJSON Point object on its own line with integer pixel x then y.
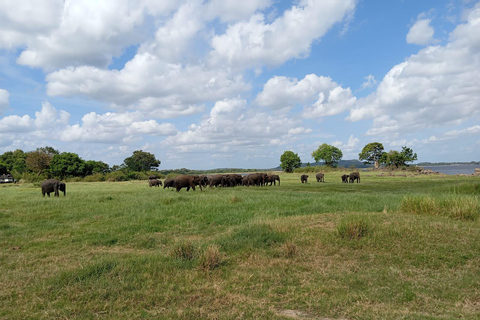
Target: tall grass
{"type": "Point", "coordinates": [115, 250]}
{"type": "Point", "coordinates": [457, 207]}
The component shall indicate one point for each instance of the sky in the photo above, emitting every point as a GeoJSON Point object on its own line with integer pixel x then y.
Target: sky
{"type": "Point", "coordinates": [206, 84]}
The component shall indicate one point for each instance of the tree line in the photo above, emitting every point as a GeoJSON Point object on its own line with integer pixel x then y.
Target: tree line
{"type": "Point", "coordinates": [47, 162]}
{"type": "Point", "coordinates": [373, 153]}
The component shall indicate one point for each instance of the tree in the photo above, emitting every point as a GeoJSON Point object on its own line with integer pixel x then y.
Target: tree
{"type": "Point", "coordinates": [67, 164]}
{"type": "Point", "coordinates": [141, 161]}
{"type": "Point", "coordinates": [39, 160]}
{"type": "Point", "coordinates": [96, 167]}
{"type": "Point", "coordinates": [371, 153]}
{"type": "Point", "coordinates": [396, 158]}
{"type": "Point", "coordinates": [14, 161]}
{"type": "Point", "coordinates": [289, 161]}
{"type": "Point", "coordinates": [329, 154]}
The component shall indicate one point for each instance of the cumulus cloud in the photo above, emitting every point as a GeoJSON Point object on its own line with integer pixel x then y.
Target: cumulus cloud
{"type": "Point", "coordinates": [47, 119]}
{"type": "Point", "coordinates": [321, 95]}
{"type": "Point", "coordinates": [254, 42]}
{"type": "Point", "coordinates": [114, 128]}
{"type": "Point", "coordinates": [421, 33]}
{"type": "Point", "coordinates": [171, 88]}
{"type": "Point", "coordinates": [440, 85]}
{"type": "Point", "coordinates": [231, 126]}
{"type": "Point", "coordinates": [4, 95]}
{"type": "Point", "coordinates": [369, 82]}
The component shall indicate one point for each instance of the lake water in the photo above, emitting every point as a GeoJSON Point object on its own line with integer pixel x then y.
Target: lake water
{"type": "Point", "coordinates": [454, 168]}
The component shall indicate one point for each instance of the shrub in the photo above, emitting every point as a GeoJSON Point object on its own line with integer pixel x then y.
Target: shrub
{"type": "Point", "coordinates": [354, 228]}
{"type": "Point", "coordinates": [95, 177]}
{"type": "Point", "coordinates": [184, 251]}
{"type": "Point", "coordinates": [211, 258]}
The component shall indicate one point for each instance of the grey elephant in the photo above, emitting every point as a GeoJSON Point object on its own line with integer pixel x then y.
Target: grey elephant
{"type": "Point", "coordinates": [154, 183]}
{"type": "Point", "coordinates": [222, 180]}
{"type": "Point", "coordinates": [304, 178]}
{"type": "Point", "coordinates": [320, 177]}
{"type": "Point", "coordinates": [168, 183]}
{"type": "Point", "coordinates": [273, 178]}
{"type": "Point", "coordinates": [354, 176]}
{"type": "Point", "coordinates": [256, 179]}
{"type": "Point", "coordinates": [345, 178]}
{"type": "Point", "coordinates": [186, 181]}
{"type": "Point", "coordinates": [53, 185]}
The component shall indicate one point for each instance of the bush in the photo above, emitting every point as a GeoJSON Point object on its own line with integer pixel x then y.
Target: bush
{"type": "Point", "coordinates": [95, 177]}
{"type": "Point", "coordinates": [354, 228]}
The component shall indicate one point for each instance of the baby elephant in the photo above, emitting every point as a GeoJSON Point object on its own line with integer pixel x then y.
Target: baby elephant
{"type": "Point", "coordinates": [304, 178]}
{"type": "Point", "coordinates": [154, 183]}
{"type": "Point", "coordinates": [320, 177]}
{"type": "Point", "coordinates": [345, 178]}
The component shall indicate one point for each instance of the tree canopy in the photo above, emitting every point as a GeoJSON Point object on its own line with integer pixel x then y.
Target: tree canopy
{"type": "Point", "coordinates": [371, 153]}
{"type": "Point", "coordinates": [329, 154]}
{"type": "Point", "coordinates": [141, 161]}
{"type": "Point", "coordinates": [289, 161]}
{"type": "Point", "coordinates": [67, 164]}
{"type": "Point", "coordinates": [39, 160]}
{"type": "Point", "coordinates": [396, 158]}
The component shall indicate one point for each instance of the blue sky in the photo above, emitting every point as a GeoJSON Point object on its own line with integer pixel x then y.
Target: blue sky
{"type": "Point", "coordinates": [224, 83]}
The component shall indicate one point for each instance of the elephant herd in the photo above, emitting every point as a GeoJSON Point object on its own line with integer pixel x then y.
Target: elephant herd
{"type": "Point", "coordinates": [217, 180]}
{"type": "Point", "coordinates": [346, 178]}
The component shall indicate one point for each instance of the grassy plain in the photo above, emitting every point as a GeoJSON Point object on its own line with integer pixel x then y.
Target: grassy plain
{"type": "Point", "coordinates": [387, 248]}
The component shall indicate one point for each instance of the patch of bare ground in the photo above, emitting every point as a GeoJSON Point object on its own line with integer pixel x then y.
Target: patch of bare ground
{"type": "Point", "coordinates": [296, 314]}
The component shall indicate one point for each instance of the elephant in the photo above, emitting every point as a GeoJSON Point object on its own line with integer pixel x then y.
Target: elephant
{"type": "Point", "coordinates": [256, 179]}
{"type": "Point", "coordinates": [345, 178]}
{"type": "Point", "coordinates": [154, 183]}
{"type": "Point", "coordinates": [304, 178]}
{"type": "Point", "coordinates": [320, 177]}
{"type": "Point", "coordinates": [168, 183]}
{"type": "Point", "coordinates": [186, 181]}
{"type": "Point", "coordinates": [272, 179]}
{"type": "Point", "coordinates": [203, 180]}
{"type": "Point", "coordinates": [216, 180]}
{"type": "Point", "coordinates": [53, 185]}
{"type": "Point", "coordinates": [235, 179]}
{"type": "Point", "coordinates": [354, 176]}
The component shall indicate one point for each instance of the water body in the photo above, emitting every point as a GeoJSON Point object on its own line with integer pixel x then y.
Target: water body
{"type": "Point", "coordinates": [454, 168]}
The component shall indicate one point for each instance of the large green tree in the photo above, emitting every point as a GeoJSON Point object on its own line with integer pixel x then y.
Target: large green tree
{"type": "Point", "coordinates": [14, 161]}
{"type": "Point", "coordinates": [289, 161]}
{"type": "Point", "coordinates": [329, 154]}
{"type": "Point", "coordinates": [67, 164]}
{"type": "Point", "coordinates": [398, 158]}
{"type": "Point", "coordinates": [93, 166]}
{"type": "Point", "coordinates": [141, 161]}
{"type": "Point", "coordinates": [39, 160]}
{"type": "Point", "coordinates": [371, 153]}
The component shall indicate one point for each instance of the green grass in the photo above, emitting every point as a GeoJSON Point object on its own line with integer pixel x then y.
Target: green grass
{"type": "Point", "coordinates": [387, 248]}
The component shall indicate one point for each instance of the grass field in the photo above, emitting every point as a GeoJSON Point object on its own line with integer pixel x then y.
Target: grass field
{"type": "Point", "coordinates": [387, 248]}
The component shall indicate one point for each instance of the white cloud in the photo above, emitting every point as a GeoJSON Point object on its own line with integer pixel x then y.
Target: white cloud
{"type": "Point", "coordinates": [438, 86]}
{"type": "Point", "coordinates": [114, 128]}
{"type": "Point", "coordinates": [421, 33]}
{"type": "Point", "coordinates": [234, 128]}
{"type": "Point", "coordinates": [232, 10]}
{"type": "Point", "coordinates": [254, 42]}
{"type": "Point", "coordinates": [171, 89]}
{"type": "Point", "coordinates": [369, 82]}
{"type": "Point", "coordinates": [16, 124]}
{"type": "Point", "coordinates": [320, 95]}
{"type": "Point", "coordinates": [4, 95]}
{"type": "Point", "coordinates": [21, 23]}
{"type": "Point", "coordinates": [75, 33]}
